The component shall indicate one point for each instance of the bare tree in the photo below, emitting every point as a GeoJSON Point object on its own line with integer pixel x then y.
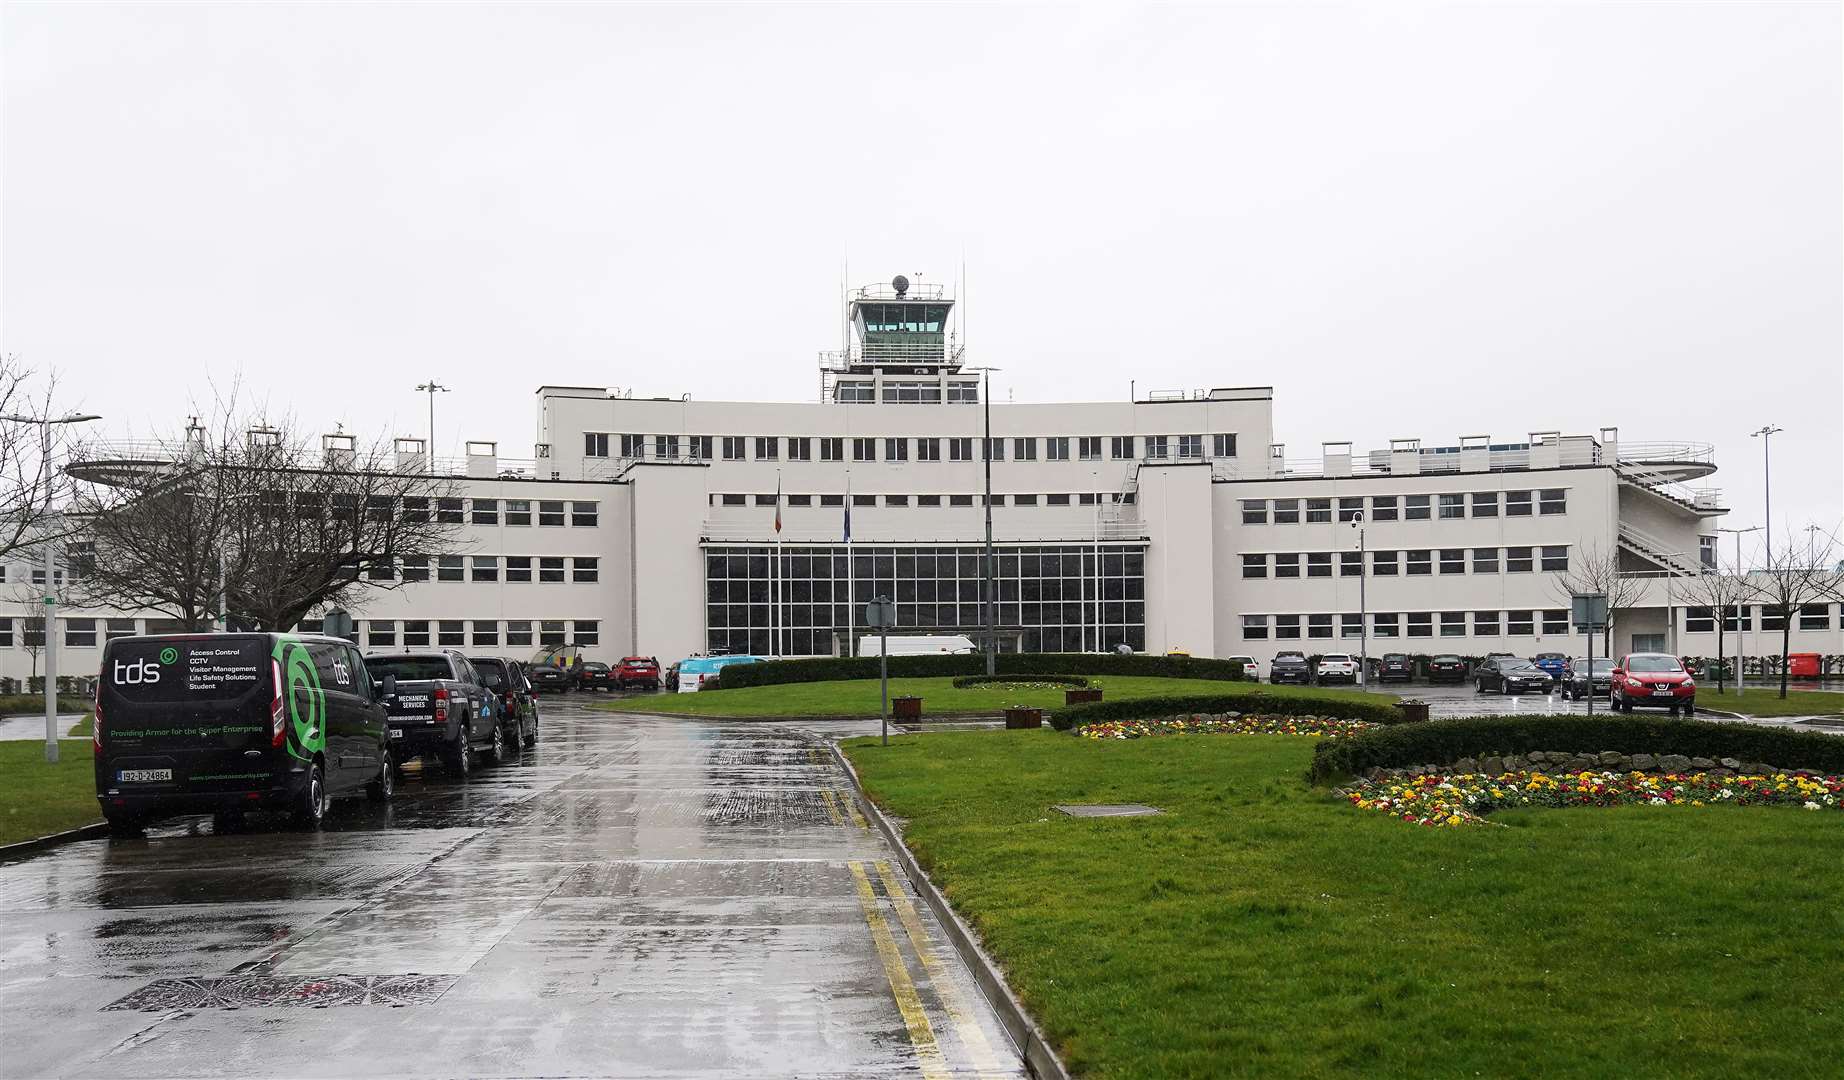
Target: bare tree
{"type": "Point", "coordinates": [1595, 570]}
{"type": "Point", "coordinates": [1796, 574]}
{"type": "Point", "coordinates": [33, 484]}
{"type": "Point", "coordinates": [1720, 593]}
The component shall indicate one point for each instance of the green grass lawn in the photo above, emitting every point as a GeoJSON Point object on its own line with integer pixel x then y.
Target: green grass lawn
{"type": "Point", "coordinates": [1261, 928]}
{"type": "Point", "coordinates": [859, 697]}
{"type": "Point", "coordinates": [37, 798]}
{"type": "Point", "coordinates": [1757, 702]}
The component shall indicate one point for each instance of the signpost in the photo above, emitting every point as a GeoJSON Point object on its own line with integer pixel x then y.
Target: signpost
{"type": "Point", "coordinates": [1589, 612]}
{"type": "Point", "coordinates": [879, 614]}
{"type": "Point", "coordinates": [338, 623]}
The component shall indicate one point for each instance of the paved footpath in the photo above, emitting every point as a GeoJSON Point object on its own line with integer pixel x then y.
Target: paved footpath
{"type": "Point", "coordinates": [636, 897]}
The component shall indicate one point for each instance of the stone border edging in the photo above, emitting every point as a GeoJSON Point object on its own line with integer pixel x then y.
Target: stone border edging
{"type": "Point", "coordinates": [1024, 1032]}
{"type": "Point", "coordinates": [68, 836]}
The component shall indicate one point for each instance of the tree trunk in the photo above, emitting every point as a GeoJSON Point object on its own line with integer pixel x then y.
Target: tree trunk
{"type": "Point", "coordinates": [1720, 688]}
{"type": "Point", "coordinates": [1786, 645]}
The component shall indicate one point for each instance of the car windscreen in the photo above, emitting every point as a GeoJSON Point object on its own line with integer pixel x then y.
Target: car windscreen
{"type": "Point", "coordinates": [214, 669]}
{"type": "Point", "coordinates": [1337, 657]}
{"type": "Point", "coordinates": [408, 668]}
{"type": "Point", "coordinates": [1446, 659]}
{"type": "Point", "coordinates": [1600, 664]}
{"type": "Point", "coordinates": [1289, 656]}
{"type": "Point", "coordinates": [1517, 665]}
{"type": "Point", "coordinates": [1653, 663]}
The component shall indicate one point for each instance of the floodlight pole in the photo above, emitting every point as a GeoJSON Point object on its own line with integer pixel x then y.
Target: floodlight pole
{"type": "Point", "coordinates": [1363, 607]}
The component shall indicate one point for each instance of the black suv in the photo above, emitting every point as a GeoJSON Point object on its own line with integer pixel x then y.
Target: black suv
{"type": "Point", "coordinates": [1290, 666]}
{"type": "Point", "coordinates": [518, 711]}
{"type": "Point", "coordinates": [1395, 667]}
{"type": "Point", "coordinates": [1446, 668]}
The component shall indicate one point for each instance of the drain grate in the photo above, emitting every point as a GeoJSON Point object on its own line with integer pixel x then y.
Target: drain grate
{"type": "Point", "coordinates": [292, 991]}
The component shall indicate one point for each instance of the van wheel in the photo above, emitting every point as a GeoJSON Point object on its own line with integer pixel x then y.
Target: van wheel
{"type": "Point", "coordinates": [385, 786]}
{"type": "Point", "coordinates": [457, 757]}
{"type": "Point", "coordinates": [310, 807]}
{"type": "Point", "coordinates": [227, 821]}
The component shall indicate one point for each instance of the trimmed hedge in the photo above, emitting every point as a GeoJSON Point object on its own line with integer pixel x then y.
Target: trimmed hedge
{"type": "Point", "coordinates": [936, 665]}
{"type": "Point", "coordinates": [1148, 708]}
{"type": "Point", "coordinates": [986, 680]}
{"type": "Point", "coordinates": [1442, 742]}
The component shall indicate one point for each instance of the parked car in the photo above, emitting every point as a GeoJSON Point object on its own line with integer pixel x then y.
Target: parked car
{"type": "Point", "coordinates": [635, 671]}
{"type": "Point", "coordinates": [1553, 664]}
{"type": "Point", "coordinates": [550, 677]}
{"type": "Point", "coordinates": [1290, 666]}
{"type": "Point", "coordinates": [1511, 675]}
{"type": "Point", "coordinates": [441, 707]}
{"type": "Point", "coordinates": [223, 723]}
{"type": "Point", "coordinates": [669, 682]}
{"type": "Point", "coordinates": [1580, 683]}
{"type": "Point", "coordinates": [1652, 680]}
{"type": "Point", "coordinates": [697, 671]}
{"type": "Point", "coordinates": [518, 710]}
{"type": "Point", "coordinates": [1250, 669]}
{"type": "Point", "coordinates": [1336, 667]}
{"type": "Point", "coordinates": [1446, 668]}
{"type": "Point", "coordinates": [1395, 667]}
{"type": "Point", "coordinates": [593, 675]}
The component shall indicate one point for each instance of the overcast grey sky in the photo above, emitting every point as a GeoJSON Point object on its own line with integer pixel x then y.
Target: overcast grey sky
{"type": "Point", "coordinates": [1410, 220]}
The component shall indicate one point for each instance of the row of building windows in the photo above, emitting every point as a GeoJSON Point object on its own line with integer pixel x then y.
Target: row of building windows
{"type": "Point", "coordinates": [904, 448]}
{"type": "Point", "coordinates": [480, 633]}
{"type": "Point", "coordinates": [908, 393]}
{"type": "Point", "coordinates": [1450, 506]}
{"type": "Point", "coordinates": [1701, 620]}
{"type": "Point", "coordinates": [550, 513]}
{"type": "Point", "coordinates": [1416, 563]}
{"type": "Point", "coordinates": [1059, 498]}
{"type": "Point", "coordinates": [544, 569]}
{"type": "Point", "coordinates": [78, 633]}
{"type": "Point", "coordinates": [1391, 624]}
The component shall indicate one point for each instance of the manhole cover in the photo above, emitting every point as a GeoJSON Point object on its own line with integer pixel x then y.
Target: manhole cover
{"type": "Point", "coordinates": [1109, 810]}
{"type": "Point", "coordinates": [290, 991]}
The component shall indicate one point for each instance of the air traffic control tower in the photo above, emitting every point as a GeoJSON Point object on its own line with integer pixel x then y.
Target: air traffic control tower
{"type": "Point", "coordinates": [900, 347]}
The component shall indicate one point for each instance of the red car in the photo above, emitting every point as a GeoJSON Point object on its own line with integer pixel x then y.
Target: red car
{"type": "Point", "coordinates": [1653, 680]}
{"type": "Point", "coordinates": [636, 671]}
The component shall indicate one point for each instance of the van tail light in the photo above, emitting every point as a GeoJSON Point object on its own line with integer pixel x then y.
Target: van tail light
{"type": "Point", "coordinates": [96, 725]}
{"type": "Point", "coordinates": [275, 704]}
{"type": "Point", "coordinates": [441, 705]}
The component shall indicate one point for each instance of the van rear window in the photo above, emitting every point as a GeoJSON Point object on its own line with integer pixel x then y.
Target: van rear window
{"type": "Point", "coordinates": [408, 668]}
{"type": "Point", "coordinates": [187, 669]}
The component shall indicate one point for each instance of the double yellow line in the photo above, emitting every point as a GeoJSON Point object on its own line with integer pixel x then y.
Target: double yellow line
{"type": "Point", "coordinates": [839, 807]}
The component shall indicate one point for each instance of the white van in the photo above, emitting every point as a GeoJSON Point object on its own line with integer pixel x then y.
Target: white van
{"type": "Point", "coordinates": [916, 644]}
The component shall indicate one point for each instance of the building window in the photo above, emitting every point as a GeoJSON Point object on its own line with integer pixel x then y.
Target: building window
{"type": "Point", "coordinates": [1485, 624]}
{"type": "Point", "coordinates": [486, 634]}
{"type": "Point", "coordinates": [1254, 566]}
{"type": "Point", "coordinates": [1350, 509]}
{"type": "Point", "coordinates": [1024, 500]}
{"type": "Point", "coordinates": [1811, 616]}
{"type": "Point", "coordinates": [1415, 507]}
{"type": "Point", "coordinates": [416, 568]}
{"type": "Point", "coordinates": [633, 446]}
{"type": "Point", "coordinates": [896, 500]}
{"type": "Point", "coordinates": [1318, 510]}
{"type": "Point", "coordinates": [1088, 447]}
{"type": "Point", "coordinates": [1383, 508]}
{"type": "Point", "coordinates": [595, 444]}
{"type": "Point", "coordinates": [1556, 559]}
{"type": "Point", "coordinates": [1729, 613]}
{"type": "Point", "coordinates": [1383, 563]}
{"type": "Point", "coordinates": [733, 498]}
{"type": "Point", "coordinates": [832, 500]}
{"type": "Point", "coordinates": [518, 633]}
{"type": "Point", "coordinates": [1121, 447]}
{"type": "Point", "coordinates": [550, 569]}
{"type": "Point", "coordinates": [928, 449]}
{"type": "Point", "coordinates": [585, 570]}
{"type": "Point", "coordinates": [1520, 623]}
{"type": "Point", "coordinates": [486, 568]}
{"type": "Point", "coordinates": [1286, 511]}
{"type": "Point", "coordinates": [1453, 560]}
{"type": "Point", "coordinates": [381, 634]}
{"type": "Point", "coordinates": [960, 500]}
{"type": "Point", "coordinates": [1319, 626]}
{"type": "Point", "coordinates": [381, 570]}
{"type": "Point", "coordinates": [896, 449]}
{"type": "Point", "coordinates": [1453, 506]}
{"type": "Point", "coordinates": [551, 514]}
{"type": "Point", "coordinates": [80, 633]}
{"type": "Point", "coordinates": [856, 391]}
{"type": "Point", "coordinates": [799, 500]}
{"type": "Point", "coordinates": [587, 632]}
{"type": "Point", "coordinates": [451, 632]}
{"type": "Point", "coordinates": [449, 568]}
{"type": "Point", "coordinates": [1024, 449]}
{"type": "Point", "coordinates": [1773, 617]}
{"type": "Point", "coordinates": [1517, 504]}
{"type": "Point", "coordinates": [960, 449]}
{"type": "Point", "coordinates": [832, 449]}
{"type": "Point", "coordinates": [768, 447]}
{"type": "Point", "coordinates": [930, 500]}
{"type": "Point", "coordinates": [416, 634]}
{"type": "Point", "coordinates": [1485, 504]}
{"type": "Point", "coordinates": [967, 392]}
{"type": "Point", "coordinates": [1254, 628]}
{"type": "Point", "coordinates": [864, 449]}
{"type": "Point", "coordinates": [1319, 564]}
{"type": "Point", "coordinates": [416, 509]}
{"type": "Point", "coordinates": [518, 511]}
{"type": "Point", "coordinates": [700, 447]}
{"type": "Point", "coordinates": [550, 632]}
{"type": "Point", "coordinates": [1286, 565]}
{"type": "Point", "coordinates": [448, 511]}
{"type": "Point", "coordinates": [1287, 627]}
{"type": "Point", "coordinates": [1223, 445]}
{"type": "Point", "coordinates": [1056, 448]}
{"type": "Point", "coordinates": [732, 448]}
{"type": "Point", "coordinates": [484, 512]}
{"type": "Point", "coordinates": [1517, 560]}
{"type": "Point", "coordinates": [995, 449]}
{"type": "Point", "coordinates": [1701, 620]}
{"type": "Point", "coordinates": [1350, 625]}
{"type": "Point", "coordinates": [518, 568]}
{"type": "Point", "coordinates": [1057, 499]}
{"type": "Point", "coordinates": [1254, 511]}
{"type": "Point", "coordinates": [1553, 501]}
{"type": "Point", "coordinates": [800, 449]}
{"type": "Point", "coordinates": [1420, 563]}
{"type": "Point", "coordinates": [1485, 560]}
{"type": "Point", "coordinates": [666, 447]}
{"type": "Point", "coordinates": [1350, 564]}
{"type": "Point", "coordinates": [1158, 447]}
{"type": "Point", "coordinates": [1386, 624]}
{"type": "Point", "coordinates": [115, 628]}
{"type": "Point", "coordinates": [1453, 624]}
{"type": "Point", "coordinates": [1421, 624]}
{"type": "Point", "coordinates": [1556, 621]}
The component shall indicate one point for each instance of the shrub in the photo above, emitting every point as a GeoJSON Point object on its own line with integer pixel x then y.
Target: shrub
{"type": "Point", "coordinates": [1148, 708]}
{"type": "Point", "coordinates": [985, 680]}
{"type": "Point", "coordinates": [1441, 742]}
{"type": "Point", "coordinates": [935, 665]}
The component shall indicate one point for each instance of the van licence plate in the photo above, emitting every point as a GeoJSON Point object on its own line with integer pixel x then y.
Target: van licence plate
{"type": "Point", "coordinates": [130, 775]}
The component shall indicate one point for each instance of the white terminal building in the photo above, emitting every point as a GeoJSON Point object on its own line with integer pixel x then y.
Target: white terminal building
{"type": "Point", "coordinates": [670, 526]}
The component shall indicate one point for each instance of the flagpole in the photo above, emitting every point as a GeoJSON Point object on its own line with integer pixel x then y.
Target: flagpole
{"type": "Point", "coordinates": [774, 578]}
{"type": "Point", "coordinates": [851, 600]}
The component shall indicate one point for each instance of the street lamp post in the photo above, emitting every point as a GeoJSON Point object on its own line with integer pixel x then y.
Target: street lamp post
{"type": "Point", "coordinates": [1766, 434]}
{"type": "Point", "coordinates": [431, 388]}
{"type": "Point", "coordinates": [50, 596]}
{"type": "Point", "coordinates": [989, 600]}
{"type": "Point", "coordinates": [1363, 605]}
{"type": "Point", "coordinates": [1741, 672]}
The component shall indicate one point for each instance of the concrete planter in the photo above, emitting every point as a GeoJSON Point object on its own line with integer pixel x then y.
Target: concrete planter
{"type": "Point", "coordinates": [1023, 718]}
{"type": "Point", "coordinates": [906, 708]}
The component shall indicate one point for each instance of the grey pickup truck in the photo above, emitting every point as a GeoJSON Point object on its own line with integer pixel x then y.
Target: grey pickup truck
{"type": "Point", "coordinates": [441, 707]}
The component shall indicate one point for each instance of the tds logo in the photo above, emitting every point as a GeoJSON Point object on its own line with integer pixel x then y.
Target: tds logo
{"type": "Point", "coordinates": [136, 673]}
{"type": "Point", "coordinates": [342, 672]}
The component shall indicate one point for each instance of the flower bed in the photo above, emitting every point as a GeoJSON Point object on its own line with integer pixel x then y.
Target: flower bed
{"type": "Point", "coordinates": [1461, 798]}
{"type": "Point", "coordinates": [1021, 682]}
{"type": "Point", "coordinates": [1226, 724]}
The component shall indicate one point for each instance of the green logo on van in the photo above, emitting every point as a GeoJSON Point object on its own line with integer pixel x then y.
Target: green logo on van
{"type": "Point", "coordinates": [307, 703]}
{"type": "Point", "coordinates": [168, 655]}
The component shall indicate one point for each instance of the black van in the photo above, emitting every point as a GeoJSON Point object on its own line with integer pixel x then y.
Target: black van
{"type": "Point", "coordinates": [223, 723]}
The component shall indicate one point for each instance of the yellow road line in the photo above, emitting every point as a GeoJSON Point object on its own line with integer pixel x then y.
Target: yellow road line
{"type": "Point", "coordinates": [908, 1002]}
{"type": "Point", "coordinates": [970, 1031]}
{"type": "Point", "coordinates": [851, 805]}
{"type": "Point", "coordinates": [832, 808]}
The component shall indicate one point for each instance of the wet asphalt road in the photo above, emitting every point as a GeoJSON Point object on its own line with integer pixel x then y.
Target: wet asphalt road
{"type": "Point", "coordinates": [634, 897]}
